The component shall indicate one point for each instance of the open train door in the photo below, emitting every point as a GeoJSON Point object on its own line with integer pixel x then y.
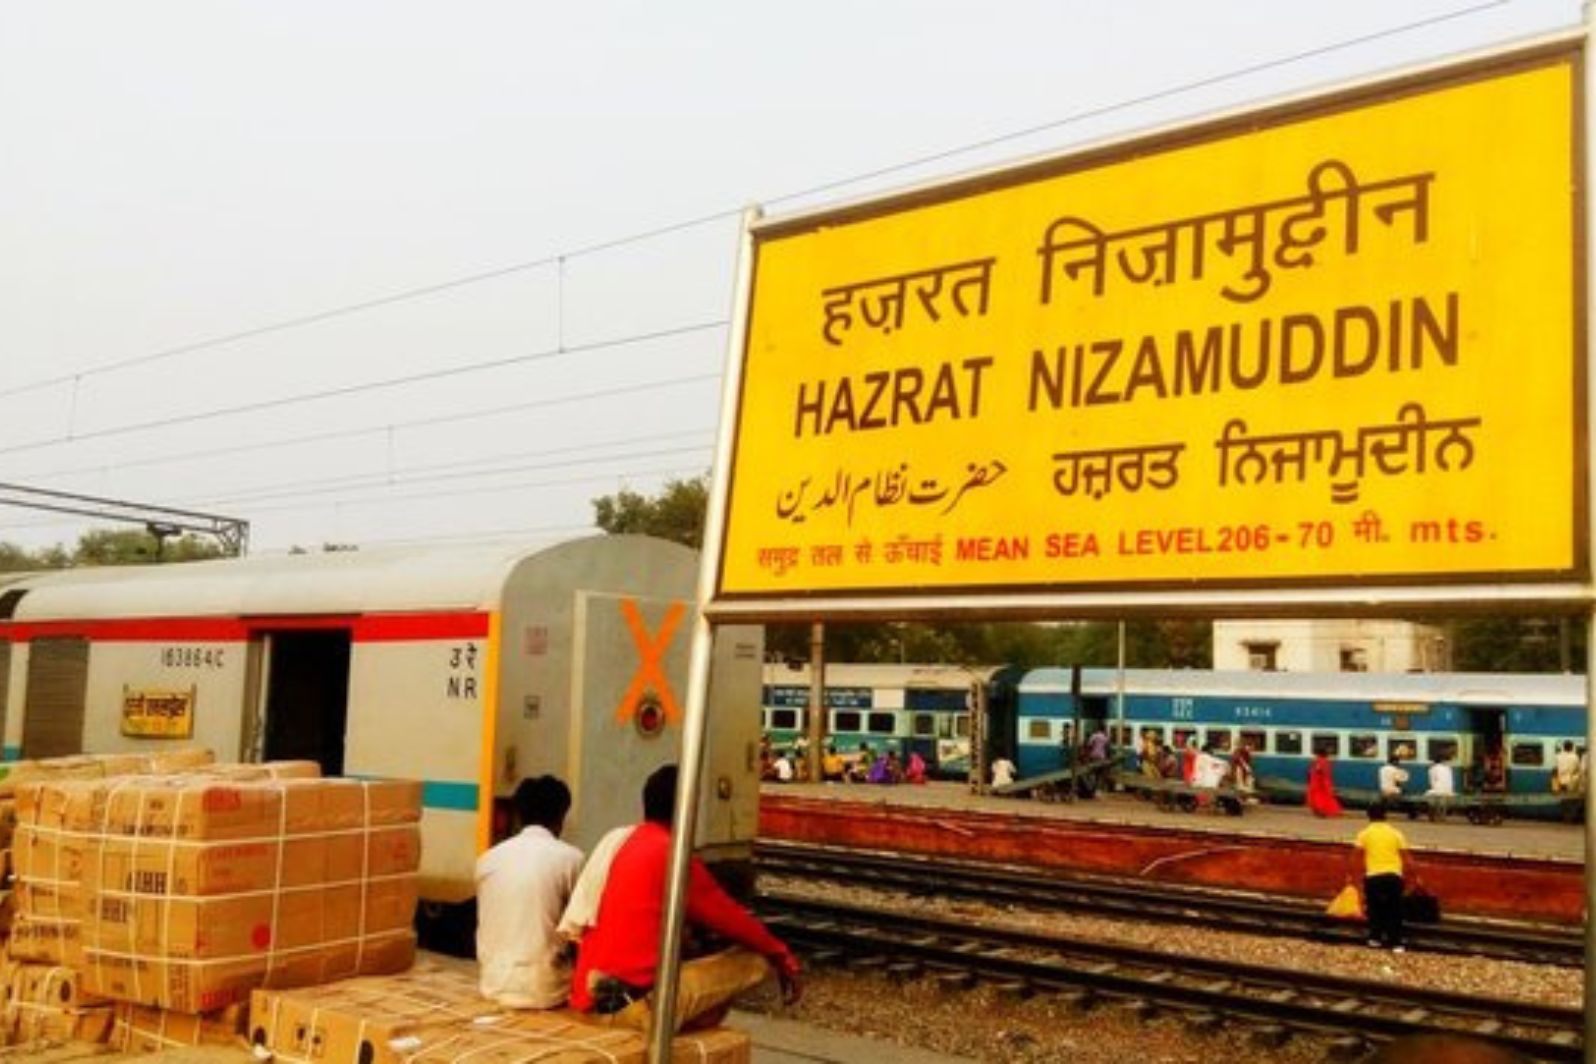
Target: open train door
{"type": "Point", "coordinates": [305, 700]}
{"type": "Point", "coordinates": [1487, 731]}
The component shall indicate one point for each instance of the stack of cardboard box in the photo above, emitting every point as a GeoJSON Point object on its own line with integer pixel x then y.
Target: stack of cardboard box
{"type": "Point", "coordinates": [433, 1014]}
{"type": "Point", "coordinates": [165, 899]}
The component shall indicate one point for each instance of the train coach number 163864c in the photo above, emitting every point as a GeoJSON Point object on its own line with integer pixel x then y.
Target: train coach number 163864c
{"type": "Point", "coordinates": [192, 657]}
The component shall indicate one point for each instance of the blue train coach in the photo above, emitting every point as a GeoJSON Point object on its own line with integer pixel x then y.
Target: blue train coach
{"type": "Point", "coordinates": [1359, 719]}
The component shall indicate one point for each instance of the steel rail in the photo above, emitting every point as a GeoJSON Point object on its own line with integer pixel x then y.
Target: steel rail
{"type": "Point", "coordinates": [1130, 899]}
{"type": "Point", "coordinates": [1287, 998]}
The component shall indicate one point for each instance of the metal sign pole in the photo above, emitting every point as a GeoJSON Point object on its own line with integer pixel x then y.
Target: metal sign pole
{"type": "Point", "coordinates": [1588, 169]}
{"type": "Point", "coordinates": [662, 1018]}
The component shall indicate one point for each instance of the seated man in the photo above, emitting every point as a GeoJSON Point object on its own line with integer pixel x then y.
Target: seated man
{"type": "Point", "coordinates": [619, 958]}
{"type": "Point", "coordinates": [523, 884]}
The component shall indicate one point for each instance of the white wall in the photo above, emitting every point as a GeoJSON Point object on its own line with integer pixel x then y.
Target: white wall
{"type": "Point", "coordinates": [1318, 646]}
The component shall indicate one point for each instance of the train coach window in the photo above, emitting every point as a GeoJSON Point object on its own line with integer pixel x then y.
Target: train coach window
{"type": "Point", "coordinates": [1403, 746]}
{"type": "Point", "coordinates": [1529, 754]}
{"type": "Point", "coordinates": [845, 720]}
{"type": "Point", "coordinates": [1219, 739]}
{"type": "Point", "coordinates": [1123, 735]}
{"type": "Point", "coordinates": [882, 724]}
{"type": "Point", "coordinates": [1327, 744]}
{"type": "Point", "coordinates": [1039, 729]}
{"type": "Point", "coordinates": [1437, 749]}
{"type": "Point", "coordinates": [784, 719]}
{"type": "Point", "coordinates": [1255, 740]}
{"type": "Point", "coordinates": [961, 726]}
{"type": "Point", "coordinates": [1183, 737]}
{"type": "Point", "coordinates": [925, 725]}
{"type": "Point", "coordinates": [1288, 742]}
{"type": "Point", "coordinates": [1156, 733]}
{"type": "Point", "coordinates": [1365, 745]}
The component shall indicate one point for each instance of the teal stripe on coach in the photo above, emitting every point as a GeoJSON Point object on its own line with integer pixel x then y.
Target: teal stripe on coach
{"type": "Point", "coordinates": [444, 794]}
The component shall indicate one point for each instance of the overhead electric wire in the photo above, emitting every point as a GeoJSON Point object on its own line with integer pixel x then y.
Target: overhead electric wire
{"type": "Point", "coordinates": [422, 291]}
{"type": "Point", "coordinates": [290, 492]}
{"type": "Point", "coordinates": [368, 386]}
{"type": "Point", "coordinates": [377, 500]}
{"type": "Point", "coordinates": [391, 426]}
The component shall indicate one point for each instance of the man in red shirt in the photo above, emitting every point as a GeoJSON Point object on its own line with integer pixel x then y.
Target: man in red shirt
{"type": "Point", "coordinates": [619, 956]}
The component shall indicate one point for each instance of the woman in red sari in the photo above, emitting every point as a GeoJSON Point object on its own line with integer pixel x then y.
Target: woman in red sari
{"type": "Point", "coordinates": [1321, 791]}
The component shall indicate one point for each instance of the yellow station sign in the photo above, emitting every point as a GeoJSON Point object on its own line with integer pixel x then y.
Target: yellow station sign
{"type": "Point", "coordinates": [1336, 344]}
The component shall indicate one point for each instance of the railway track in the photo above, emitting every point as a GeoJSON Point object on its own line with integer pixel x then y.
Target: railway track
{"type": "Point", "coordinates": [1277, 1001]}
{"type": "Point", "coordinates": [1101, 896]}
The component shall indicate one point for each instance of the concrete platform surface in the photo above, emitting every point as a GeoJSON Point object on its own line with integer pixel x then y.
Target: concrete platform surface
{"type": "Point", "coordinates": [779, 1041]}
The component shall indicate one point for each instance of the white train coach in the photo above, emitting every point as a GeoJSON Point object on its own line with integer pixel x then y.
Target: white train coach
{"type": "Point", "coordinates": [467, 668]}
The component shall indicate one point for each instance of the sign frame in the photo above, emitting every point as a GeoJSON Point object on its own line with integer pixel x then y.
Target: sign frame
{"type": "Point", "coordinates": [1386, 593]}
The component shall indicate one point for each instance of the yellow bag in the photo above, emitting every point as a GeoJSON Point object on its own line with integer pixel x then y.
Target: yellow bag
{"type": "Point", "coordinates": [1346, 906]}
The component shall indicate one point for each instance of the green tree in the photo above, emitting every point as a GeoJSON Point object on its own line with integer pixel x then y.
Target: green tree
{"type": "Point", "coordinates": [676, 513]}
{"type": "Point", "coordinates": [108, 547]}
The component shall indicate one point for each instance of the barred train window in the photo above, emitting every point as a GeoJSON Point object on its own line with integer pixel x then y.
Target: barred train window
{"type": "Point", "coordinates": [846, 720]}
{"type": "Point", "coordinates": [1325, 743]}
{"type": "Point", "coordinates": [1365, 745]}
{"type": "Point", "coordinates": [882, 723]}
{"type": "Point", "coordinates": [1439, 748]}
{"type": "Point", "coordinates": [1288, 742]}
{"type": "Point", "coordinates": [1039, 729]}
{"type": "Point", "coordinates": [1530, 754]}
{"type": "Point", "coordinates": [784, 719]}
{"type": "Point", "coordinates": [1220, 738]}
{"type": "Point", "coordinates": [925, 725]}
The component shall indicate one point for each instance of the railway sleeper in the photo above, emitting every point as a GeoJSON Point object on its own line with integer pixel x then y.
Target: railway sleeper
{"type": "Point", "coordinates": [1079, 999]}
{"type": "Point", "coordinates": [1488, 1026]}
{"type": "Point", "coordinates": [1270, 1035]}
{"type": "Point", "coordinates": [903, 971]}
{"type": "Point", "coordinates": [1142, 1008]}
{"type": "Point", "coordinates": [1347, 1005]}
{"type": "Point", "coordinates": [1014, 989]}
{"type": "Point", "coordinates": [955, 980]}
{"type": "Point", "coordinates": [1347, 1047]}
{"type": "Point", "coordinates": [1205, 1022]}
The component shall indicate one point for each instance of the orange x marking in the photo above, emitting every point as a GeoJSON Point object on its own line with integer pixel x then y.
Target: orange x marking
{"type": "Point", "coordinates": [651, 654]}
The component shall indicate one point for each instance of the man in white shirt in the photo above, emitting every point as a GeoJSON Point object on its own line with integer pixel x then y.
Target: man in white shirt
{"type": "Point", "coordinates": [1392, 777]}
{"type": "Point", "coordinates": [1442, 787]}
{"type": "Point", "coordinates": [784, 771]}
{"type": "Point", "coordinates": [523, 884]}
{"type": "Point", "coordinates": [1002, 772]}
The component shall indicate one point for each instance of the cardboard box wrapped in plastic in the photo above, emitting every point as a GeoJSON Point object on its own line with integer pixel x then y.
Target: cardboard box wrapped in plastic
{"type": "Point", "coordinates": [58, 823]}
{"type": "Point", "coordinates": [140, 1029]}
{"type": "Point", "coordinates": [47, 1003]}
{"type": "Point", "coordinates": [434, 1015]}
{"type": "Point", "coordinates": [186, 892]}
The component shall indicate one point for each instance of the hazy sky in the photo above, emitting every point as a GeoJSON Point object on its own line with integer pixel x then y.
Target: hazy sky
{"type": "Point", "coordinates": [173, 173]}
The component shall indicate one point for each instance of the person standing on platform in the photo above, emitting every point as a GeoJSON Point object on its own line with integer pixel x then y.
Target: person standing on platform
{"type": "Point", "coordinates": [1321, 788]}
{"type": "Point", "coordinates": [1241, 773]}
{"type": "Point", "coordinates": [1565, 782]}
{"type": "Point", "coordinates": [1442, 787]}
{"type": "Point", "coordinates": [523, 884]}
{"type": "Point", "coordinates": [833, 769]}
{"type": "Point", "coordinates": [784, 769]}
{"type": "Point", "coordinates": [1002, 772]}
{"type": "Point", "coordinates": [1393, 777]}
{"type": "Point", "coordinates": [1188, 761]}
{"type": "Point", "coordinates": [619, 959]}
{"type": "Point", "coordinates": [1378, 853]}
{"type": "Point", "coordinates": [1149, 756]}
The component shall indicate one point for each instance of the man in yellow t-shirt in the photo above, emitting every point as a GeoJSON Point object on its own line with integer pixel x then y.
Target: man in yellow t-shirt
{"type": "Point", "coordinates": [1382, 850]}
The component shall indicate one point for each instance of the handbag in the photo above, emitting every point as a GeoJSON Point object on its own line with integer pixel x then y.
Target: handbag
{"type": "Point", "coordinates": [1347, 905]}
{"type": "Point", "coordinates": [1419, 906]}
